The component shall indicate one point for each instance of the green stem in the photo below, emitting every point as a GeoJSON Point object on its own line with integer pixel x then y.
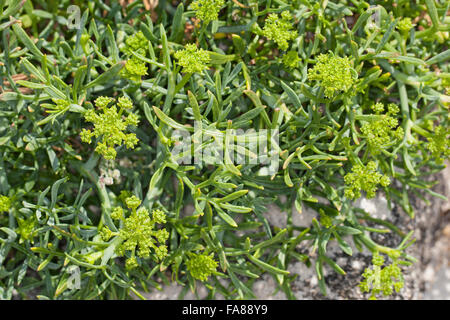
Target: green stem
{"type": "Point", "coordinates": [374, 247]}
{"type": "Point", "coordinates": [86, 170]}
{"type": "Point", "coordinates": [420, 131]}
{"type": "Point", "coordinates": [183, 81]}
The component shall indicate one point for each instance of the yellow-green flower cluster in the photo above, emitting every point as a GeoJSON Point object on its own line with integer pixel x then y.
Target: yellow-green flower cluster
{"type": "Point", "coordinates": [207, 10]}
{"type": "Point", "coordinates": [381, 131]}
{"type": "Point", "coordinates": [192, 59]}
{"type": "Point", "coordinates": [136, 43]}
{"type": "Point", "coordinates": [280, 29]}
{"type": "Point", "coordinates": [334, 74]}
{"type": "Point", "coordinates": [5, 203]}
{"type": "Point", "coordinates": [365, 178]}
{"type": "Point", "coordinates": [381, 280]}
{"type": "Point", "coordinates": [135, 68]}
{"type": "Point", "coordinates": [405, 24]}
{"type": "Point", "coordinates": [439, 144]}
{"type": "Point", "coordinates": [138, 232]}
{"type": "Point", "coordinates": [201, 266]}
{"type": "Point", "coordinates": [111, 125]}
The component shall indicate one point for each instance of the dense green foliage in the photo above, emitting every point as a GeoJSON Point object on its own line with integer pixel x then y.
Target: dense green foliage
{"type": "Point", "coordinates": [90, 185]}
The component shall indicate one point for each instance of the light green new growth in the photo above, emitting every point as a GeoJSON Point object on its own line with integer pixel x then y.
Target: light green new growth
{"type": "Point", "coordinates": [111, 126]}
{"type": "Point", "coordinates": [334, 74]}
{"type": "Point", "coordinates": [207, 10]}
{"type": "Point", "coordinates": [381, 280]}
{"type": "Point", "coordinates": [380, 131]}
{"type": "Point", "coordinates": [201, 266]}
{"type": "Point", "coordinates": [135, 68]}
{"type": "Point", "coordinates": [446, 85]}
{"type": "Point", "coordinates": [439, 144]}
{"type": "Point", "coordinates": [138, 232]}
{"type": "Point", "coordinates": [124, 194]}
{"type": "Point", "coordinates": [291, 59]}
{"type": "Point", "coordinates": [26, 229]}
{"type": "Point", "coordinates": [60, 105]}
{"type": "Point", "coordinates": [5, 203]}
{"type": "Point", "coordinates": [325, 220]}
{"type": "Point", "coordinates": [365, 178]}
{"type": "Point", "coordinates": [192, 59]}
{"type": "Point", "coordinates": [279, 29]}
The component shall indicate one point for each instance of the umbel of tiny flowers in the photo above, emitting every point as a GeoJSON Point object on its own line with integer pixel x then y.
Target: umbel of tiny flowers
{"type": "Point", "coordinates": [334, 74]}
{"type": "Point", "coordinates": [381, 130]}
{"type": "Point", "coordinates": [280, 29]}
{"type": "Point", "coordinates": [364, 178]}
{"type": "Point", "coordinates": [405, 24]}
{"type": "Point", "coordinates": [108, 176]}
{"type": "Point", "coordinates": [381, 280]}
{"type": "Point", "coordinates": [192, 59]}
{"type": "Point", "coordinates": [136, 43]}
{"type": "Point", "coordinates": [201, 266]}
{"type": "Point", "coordinates": [439, 144]}
{"type": "Point", "coordinates": [5, 203]}
{"type": "Point", "coordinates": [111, 125]}
{"type": "Point", "coordinates": [207, 10]}
{"type": "Point", "coordinates": [138, 232]}
{"type": "Point", "coordinates": [135, 68]}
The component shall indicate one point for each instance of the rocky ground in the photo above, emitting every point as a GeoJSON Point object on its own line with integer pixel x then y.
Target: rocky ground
{"type": "Point", "coordinates": [429, 278]}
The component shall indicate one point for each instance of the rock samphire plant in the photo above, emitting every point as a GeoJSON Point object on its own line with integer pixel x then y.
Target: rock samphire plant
{"type": "Point", "coordinates": [142, 146]}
